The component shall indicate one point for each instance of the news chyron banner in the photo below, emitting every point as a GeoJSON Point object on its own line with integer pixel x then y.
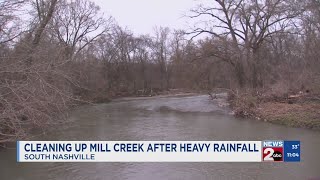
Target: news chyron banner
{"type": "Point", "coordinates": [158, 151]}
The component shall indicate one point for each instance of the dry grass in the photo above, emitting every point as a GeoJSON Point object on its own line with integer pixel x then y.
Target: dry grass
{"type": "Point", "coordinates": [306, 114]}
{"type": "Point", "coordinates": [301, 112]}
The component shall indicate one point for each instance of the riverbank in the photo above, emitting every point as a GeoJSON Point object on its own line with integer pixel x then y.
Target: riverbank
{"type": "Point", "coordinates": [298, 110]}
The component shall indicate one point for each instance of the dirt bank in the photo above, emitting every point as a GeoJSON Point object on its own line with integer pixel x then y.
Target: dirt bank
{"type": "Point", "coordinates": [294, 111]}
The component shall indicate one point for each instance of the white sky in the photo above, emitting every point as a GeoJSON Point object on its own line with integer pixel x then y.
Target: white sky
{"type": "Point", "coordinates": [141, 16]}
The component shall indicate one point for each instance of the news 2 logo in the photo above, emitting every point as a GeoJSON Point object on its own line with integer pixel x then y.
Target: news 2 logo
{"type": "Point", "coordinates": [272, 151]}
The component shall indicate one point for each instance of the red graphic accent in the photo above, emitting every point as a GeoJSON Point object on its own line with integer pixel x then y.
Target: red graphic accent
{"type": "Point", "coordinates": [272, 154]}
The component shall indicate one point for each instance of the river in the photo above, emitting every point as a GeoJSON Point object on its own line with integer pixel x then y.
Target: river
{"type": "Point", "coordinates": [169, 119]}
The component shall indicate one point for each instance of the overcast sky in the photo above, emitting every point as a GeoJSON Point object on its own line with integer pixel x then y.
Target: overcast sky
{"type": "Point", "coordinates": [140, 16]}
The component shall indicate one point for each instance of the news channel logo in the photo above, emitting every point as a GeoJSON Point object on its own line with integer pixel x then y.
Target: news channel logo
{"type": "Point", "coordinates": [280, 151]}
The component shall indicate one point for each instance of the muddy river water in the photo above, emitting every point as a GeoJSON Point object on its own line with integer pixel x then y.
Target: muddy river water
{"type": "Point", "coordinates": [169, 119]}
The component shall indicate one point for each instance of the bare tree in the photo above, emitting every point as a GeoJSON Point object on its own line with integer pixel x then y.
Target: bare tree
{"type": "Point", "coordinates": [311, 28]}
{"type": "Point", "coordinates": [245, 25]}
{"type": "Point", "coordinates": [30, 96]}
{"type": "Point", "coordinates": [45, 14]}
{"type": "Point", "coordinates": [161, 54]}
{"type": "Point", "coordinates": [78, 23]}
{"type": "Point", "coordinates": [9, 22]}
{"type": "Point", "coordinates": [45, 10]}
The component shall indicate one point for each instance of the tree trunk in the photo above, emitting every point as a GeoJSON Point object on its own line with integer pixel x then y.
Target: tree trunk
{"type": "Point", "coordinates": [240, 73]}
